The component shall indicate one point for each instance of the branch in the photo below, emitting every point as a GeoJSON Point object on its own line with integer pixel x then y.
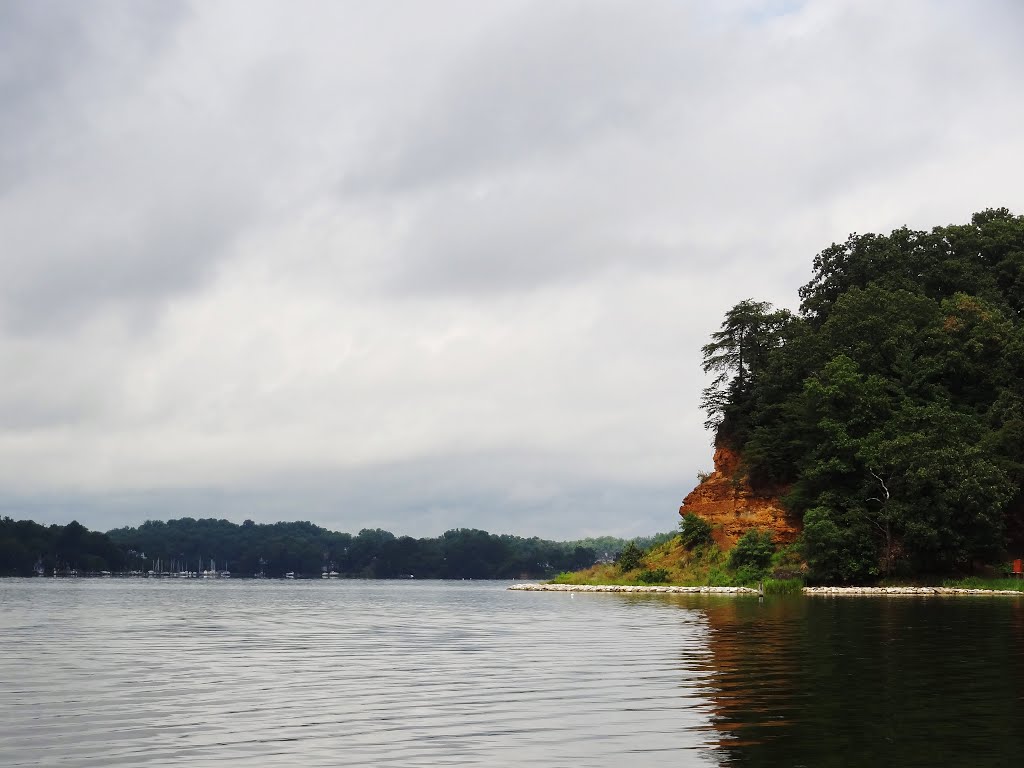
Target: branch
{"type": "Point", "coordinates": [881, 482]}
{"type": "Point", "coordinates": [872, 519]}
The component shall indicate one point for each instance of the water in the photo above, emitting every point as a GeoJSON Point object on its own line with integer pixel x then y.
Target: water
{"type": "Point", "coordinates": [159, 673]}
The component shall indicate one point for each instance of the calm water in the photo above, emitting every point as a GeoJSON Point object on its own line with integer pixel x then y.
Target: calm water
{"type": "Point", "coordinates": [150, 673]}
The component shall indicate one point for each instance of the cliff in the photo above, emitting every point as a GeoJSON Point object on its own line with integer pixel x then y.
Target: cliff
{"type": "Point", "coordinates": [726, 500]}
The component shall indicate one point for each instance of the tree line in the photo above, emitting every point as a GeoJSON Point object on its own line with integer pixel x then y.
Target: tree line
{"type": "Point", "coordinates": [26, 547]}
{"type": "Point", "coordinates": [889, 410]}
{"type": "Point", "coordinates": [302, 548]}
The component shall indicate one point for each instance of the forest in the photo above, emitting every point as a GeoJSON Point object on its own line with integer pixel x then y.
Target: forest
{"type": "Point", "coordinates": [888, 411]}
{"type": "Point", "coordinates": [302, 548]}
{"type": "Point", "coordinates": [26, 547]}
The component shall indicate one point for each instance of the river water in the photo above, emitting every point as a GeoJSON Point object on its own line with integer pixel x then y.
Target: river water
{"type": "Point", "coordinates": [105, 672]}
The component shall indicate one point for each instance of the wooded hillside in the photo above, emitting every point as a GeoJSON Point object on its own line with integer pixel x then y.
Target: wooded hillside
{"type": "Point", "coordinates": [892, 405]}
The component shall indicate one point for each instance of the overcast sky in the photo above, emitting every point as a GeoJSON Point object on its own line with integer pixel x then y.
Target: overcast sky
{"type": "Point", "coordinates": [450, 264]}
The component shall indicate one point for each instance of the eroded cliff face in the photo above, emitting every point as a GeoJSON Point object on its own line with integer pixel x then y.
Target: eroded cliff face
{"type": "Point", "coordinates": [726, 500]}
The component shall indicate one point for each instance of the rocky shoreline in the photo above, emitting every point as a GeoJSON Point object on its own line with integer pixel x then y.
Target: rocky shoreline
{"type": "Point", "coordinates": [822, 591]}
{"type": "Point", "coordinates": [827, 591]}
{"type": "Point", "coordinates": [625, 588]}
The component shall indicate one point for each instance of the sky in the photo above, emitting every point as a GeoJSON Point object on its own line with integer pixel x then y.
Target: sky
{"type": "Point", "coordinates": [423, 266]}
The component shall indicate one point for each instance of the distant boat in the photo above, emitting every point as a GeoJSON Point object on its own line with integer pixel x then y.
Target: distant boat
{"type": "Point", "coordinates": [290, 575]}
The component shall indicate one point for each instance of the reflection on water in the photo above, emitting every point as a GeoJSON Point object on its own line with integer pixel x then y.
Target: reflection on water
{"type": "Point", "coordinates": [98, 673]}
{"type": "Point", "coordinates": [869, 681]}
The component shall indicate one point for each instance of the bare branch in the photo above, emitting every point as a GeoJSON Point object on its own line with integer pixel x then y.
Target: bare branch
{"type": "Point", "coordinates": [881, 482]}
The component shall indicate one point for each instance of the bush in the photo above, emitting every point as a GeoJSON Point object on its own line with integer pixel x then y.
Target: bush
{"type": "Point", "coordinates": [694, 530]}
{"type": "Point", "coordinates": [838, 553]}
{"type": "Point", "coordinates": [752, 554]}
{"type": "Point", "coordinates": [630, 558]}
{"type": "Point", "coordinates": [657, 576]}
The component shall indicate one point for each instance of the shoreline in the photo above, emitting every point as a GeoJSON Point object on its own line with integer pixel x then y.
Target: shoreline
{"type": "Point", "coordinates": [631, 588]}
{"type": "Point", "coordinates": [812, 591]}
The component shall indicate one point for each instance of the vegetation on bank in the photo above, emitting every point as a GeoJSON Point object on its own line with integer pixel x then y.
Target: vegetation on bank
{"type": "Point", "coordinates": [889, 411]}
{"type": "Point", "coordinates": [977, 582]}
{"type": "Point", "coordinates": [306, 549]}
{"type": "Point", "coordinates": [26, 547]}
{"type": "Point", "coordinates": [693, 559]}
{"type": "Point", "coordinates": [300, 548]}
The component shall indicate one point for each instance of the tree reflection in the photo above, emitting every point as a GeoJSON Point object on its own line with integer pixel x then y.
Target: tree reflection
{"type": "Point", "coordinates": [868, 681]}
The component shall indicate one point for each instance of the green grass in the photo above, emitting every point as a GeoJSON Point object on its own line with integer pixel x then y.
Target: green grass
{"type": "Point", "coordinates": [707, 565]}
{"type": "Point", "coordinates": [783, 586]}
{"type": "Point", "coordinates": [704, 565]}
{"type": "Point", "coordinates": [976, 582]}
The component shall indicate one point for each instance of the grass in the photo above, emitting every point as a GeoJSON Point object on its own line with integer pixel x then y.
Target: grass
{"type": "Point", "coordinates": [977, 582]}
{"type": "Point", "coordinates": [783, 586]}
{"type": "Point", "coordinates": [704, 565]}
{"type": "Point", "coordinates": [707, 565]}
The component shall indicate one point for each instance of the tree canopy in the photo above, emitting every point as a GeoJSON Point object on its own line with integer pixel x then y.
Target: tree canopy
{"type": "Point", "coordinates": [307, 549]}
{"type": "Point", "coordinates": [27, 547]}
{"type": "Point", "coordinates": [891, 407]}
{"type": "Point", "coordinates": [302, 548]}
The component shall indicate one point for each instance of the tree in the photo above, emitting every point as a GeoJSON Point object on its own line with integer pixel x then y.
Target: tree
{"type": "Point", "coordinates": [752, 554]}
{"type": "Point", "coordinates": [694, 530]}
{"type": "Point", "coordinates": [630, 558]}
{"type": "Point", "coordinates": [891, 411]}
{"type": "Point", "coordinates": [736, 353]}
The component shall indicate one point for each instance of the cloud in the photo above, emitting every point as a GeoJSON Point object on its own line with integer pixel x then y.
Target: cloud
{"type": "Point", "coordinates": [423, 266]}
{"type": "Point", "coordinates": [57, 65]}
{"type": "Point", "coordinates": [536, 90]}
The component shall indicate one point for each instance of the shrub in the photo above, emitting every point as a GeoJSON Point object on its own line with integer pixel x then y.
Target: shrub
{"type": "Point", "coordinates": [657, 576]}
{"type": "Point", "coordinates": [695, 530]}
{"type": "Point", "coordinates": [752, 554]}
{"type": "Point", "coordinates": [838, 553]}
{"type": "Point", "coordinates": [630, 558]}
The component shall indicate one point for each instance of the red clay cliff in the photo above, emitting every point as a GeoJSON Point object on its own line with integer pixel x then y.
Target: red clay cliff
{"type": "Point", "coordinates": [726, 500]}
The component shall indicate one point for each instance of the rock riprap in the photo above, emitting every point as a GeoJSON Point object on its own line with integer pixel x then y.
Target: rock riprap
{"type": "Point", "coordinates": [627, 588]}
{"type": "Point", "coordinates": [840, 591]}
{"type": "Point", "coordinates": [817, 591]}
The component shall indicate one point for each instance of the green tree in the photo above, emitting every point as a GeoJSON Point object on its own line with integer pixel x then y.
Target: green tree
{"type": "Point", "coordinates": [752, 554]}
{"type": "Point", "coordinates": [694, 530]}
{"type": "Point", "coordinates": [892, 408]}
{"type": "Point", "coordinates": [630, 558]}
{"type": "Point", "coordinates": [736, 354]}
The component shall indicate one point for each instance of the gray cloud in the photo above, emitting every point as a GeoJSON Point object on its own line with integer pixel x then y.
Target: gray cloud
{"type": "Point", "coordinates": [547, 143]}
{"type": "Point", "coordinates": [56, 64]}
{"type": "Point", "coordinates": [416, 498]}
{"type": "Point", "coordinates": [119, 191]}
{"type": "Point", "coordinates": [448, 265]}
{"type": "Point", "coordinates": [549, 83]}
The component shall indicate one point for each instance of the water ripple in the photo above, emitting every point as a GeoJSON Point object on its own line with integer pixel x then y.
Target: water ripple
{"type": "Point", "coordinates": [151, 673]}
{"type": "Point", "coordinates": [98, 673]}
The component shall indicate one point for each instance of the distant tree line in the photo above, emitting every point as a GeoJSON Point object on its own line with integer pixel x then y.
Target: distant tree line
{"type": "Point", "coordinates": [26, 546]}
{"type": "Point", "coordinates": [295, 547]}
{"type": "Point", "coordinates": [889, 411]}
